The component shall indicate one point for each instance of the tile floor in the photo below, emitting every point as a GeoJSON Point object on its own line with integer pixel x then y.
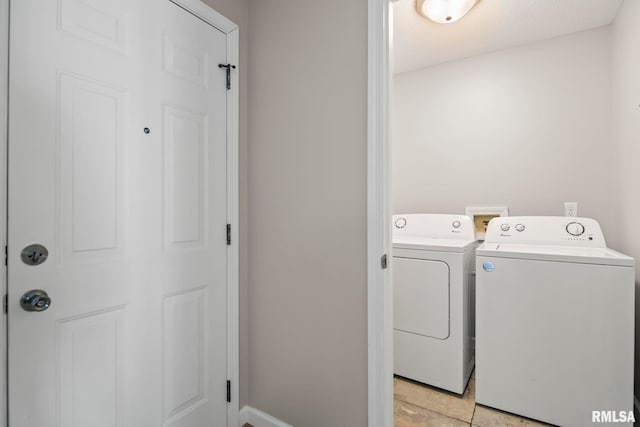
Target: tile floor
{"type": "Point", "coordinates": [418, 405]}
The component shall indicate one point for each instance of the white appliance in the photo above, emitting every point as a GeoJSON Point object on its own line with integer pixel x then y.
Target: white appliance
{"type": "Point", "coordinates": [554, 321]}
{"type": "Point", "coordinates": [433, 305]}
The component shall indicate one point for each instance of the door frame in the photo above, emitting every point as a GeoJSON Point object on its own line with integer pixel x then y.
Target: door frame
{"type": "Point", "coordinates": [379, 291]}
{"type": "Point", "coordinates": [216, 20]}
{"type": "Point", "coordinates": [4, 118]}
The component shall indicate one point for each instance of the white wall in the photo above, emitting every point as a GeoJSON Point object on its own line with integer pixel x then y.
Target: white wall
{"type": "Point", "coordinates": [307, 156]}
{"type": "Point", "coordinates": [527, 127]}
{"type": "Point", "coordinates": [626, 140]}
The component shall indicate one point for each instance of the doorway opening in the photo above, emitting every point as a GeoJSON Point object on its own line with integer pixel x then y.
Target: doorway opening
{"type": "Point", "coordinates": [473, 121]}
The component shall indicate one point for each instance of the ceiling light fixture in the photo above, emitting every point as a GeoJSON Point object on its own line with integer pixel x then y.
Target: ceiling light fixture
{"type": "Point", "coordinates": [444, 11]}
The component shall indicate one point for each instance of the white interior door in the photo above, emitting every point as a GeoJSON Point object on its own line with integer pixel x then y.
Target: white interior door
{"type": "Point", "coordinates": [118, 166]}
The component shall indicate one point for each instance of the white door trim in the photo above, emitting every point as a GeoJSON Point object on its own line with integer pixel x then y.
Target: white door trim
{"type": "Point", "coordinates": [218, 21]}
{"type": "Point", "coordinates": [233, 254]}
{"type": "Point", "coordinates": [4, 102]}
{"type": "Point", "coordinates": [208, 15]}
{"type": "Point", "coordinates": [379, 295]}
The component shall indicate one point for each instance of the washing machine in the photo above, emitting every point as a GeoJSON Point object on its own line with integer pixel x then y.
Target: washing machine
{"type": "Point", "coordinates": [554, 322]}
{"type": "Point", "coordinates": [433, 258]}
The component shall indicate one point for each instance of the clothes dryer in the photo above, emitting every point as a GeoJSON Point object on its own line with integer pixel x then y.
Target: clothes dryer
{"type": "Point", "coordinates": [433, 258]}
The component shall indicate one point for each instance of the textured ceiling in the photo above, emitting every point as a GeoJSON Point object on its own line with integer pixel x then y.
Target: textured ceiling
{"type": "Point", "coordinates": [491, 25]}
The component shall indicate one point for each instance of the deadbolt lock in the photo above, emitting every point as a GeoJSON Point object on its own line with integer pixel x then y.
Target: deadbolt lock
{"type": "Point", "coordinates": [34, 254]}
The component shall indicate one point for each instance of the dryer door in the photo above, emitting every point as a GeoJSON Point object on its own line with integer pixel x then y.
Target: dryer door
{"type": "Point", "coordinates": [421, 297]}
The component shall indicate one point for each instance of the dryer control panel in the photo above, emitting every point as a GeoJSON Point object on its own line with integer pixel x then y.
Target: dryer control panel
{"type": "Point", "coordinates": [546, 230]}
{"type": "Point", "coordinates": [434, 226]}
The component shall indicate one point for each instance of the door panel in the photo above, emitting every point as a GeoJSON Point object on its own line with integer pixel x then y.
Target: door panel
{"type": "Point", "coordinates": [91, 118]}
{"type": "Point", "coordinates": [184, 353]}
{"type": "Point", "coordinates": [421, 297]}
{"type": "Point", "coordinates": [90, 369]}
{"type": "Point", "coordinates": [98, 22]}
{"type": "Point", "coordinates": [134, 219]}
{"type": "Point", "coordinates": [185, 204]}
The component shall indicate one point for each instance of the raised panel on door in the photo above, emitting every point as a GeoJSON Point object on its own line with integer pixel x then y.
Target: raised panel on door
{"type": "Point", "coordinates": [91, 119]}
{"type": "Point", "coordinates": [185, 61]}
{"type": "Point", "coordinates": [184, 353]}
{"type": "Point", "coordinates": [90, 362]}
{"type": "Point", "coordinates": [101, 23]}
{"type": "Point", "coordinates": [185, 177]}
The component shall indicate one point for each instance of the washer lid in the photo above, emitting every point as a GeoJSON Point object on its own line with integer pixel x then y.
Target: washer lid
{"type": "Point", "coordinates": [422, 243]}
{"type": "Point", "coordinates": [601, 256]}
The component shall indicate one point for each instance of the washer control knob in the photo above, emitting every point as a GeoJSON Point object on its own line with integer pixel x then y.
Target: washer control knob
{"type": "Point", "coordinates": [505, 227]}
{"type": "Point", "coordinates": [456, 224]}
{"type": "Point", "coordinates": [520, 227]}
{"type": "Point", "coordinates": [401, 223]}
{"type": "Point", "coordinates": [575, 229]}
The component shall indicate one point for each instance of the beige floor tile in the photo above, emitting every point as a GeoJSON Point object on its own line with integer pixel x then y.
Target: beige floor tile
{"type": "Point", "coordinates": [408, 415]}
{"type": "Point", "coordinates": [489, 417]}
{"type": "Point", "coordinates": [445, 403]}
{"type": "Point", "coordinates": [410, 392]}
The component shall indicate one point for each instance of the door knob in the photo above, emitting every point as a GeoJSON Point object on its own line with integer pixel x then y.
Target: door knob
{"type": "Point", "coordinates": [35, 300]}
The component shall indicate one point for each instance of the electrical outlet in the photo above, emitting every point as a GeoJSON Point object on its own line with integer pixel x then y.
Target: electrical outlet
{"type": "Point", "coordinates": [570, 208]}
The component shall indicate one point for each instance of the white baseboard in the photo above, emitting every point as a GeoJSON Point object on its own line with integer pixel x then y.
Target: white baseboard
{"type": "Point", "coordinates": [257, 418]}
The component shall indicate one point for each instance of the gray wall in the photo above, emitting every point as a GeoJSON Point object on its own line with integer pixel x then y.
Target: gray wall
{"type": "Point", "coordinates": [526, 127]}
{"type": "Point", "coordinates": [303, 350]}
{"type": "Point", "coordinates": [307, 217]}
{"type": "Point", "coordinates": [626, 140]}
{"type": "Point", "coordinates": [236, 11]}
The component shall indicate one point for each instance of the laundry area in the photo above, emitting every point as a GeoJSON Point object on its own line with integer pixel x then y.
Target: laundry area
{"type": "Point", "coordinates": [336, 213]}
{"type": "Point", "coordinates": [514, 283]}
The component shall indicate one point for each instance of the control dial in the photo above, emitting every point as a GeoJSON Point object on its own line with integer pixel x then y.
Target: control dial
{"type": "Point", "coordinates": [401, 222]}
{"type": "Point", "coordinates": [505, 227]}
{"type": "Point", "coordinates": [456, 224]}
{"type": "Point", "coordinates": [575, 229]}
{"type": "Point", "coordinates": [520, 227]}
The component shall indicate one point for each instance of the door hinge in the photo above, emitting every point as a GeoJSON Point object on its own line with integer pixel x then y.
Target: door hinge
{"type": "Point", "coordinates": [228, 234]}
{"type": "Point", "coordinates": [6, 255]}
{"type": "Point", "coordinates": [383, 261]}
{"type": "Point", "coordinates": [228, 391]}
{"type": "Point", "coordinates": [5, 303]}
{"type": "Point", "coordinates": [228, 67]}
